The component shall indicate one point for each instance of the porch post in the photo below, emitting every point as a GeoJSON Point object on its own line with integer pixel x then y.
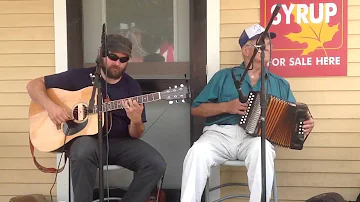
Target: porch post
{"type": "Point", "coordinates": [213, 65]}
{"type": "Point", "coordinates": [61, 65]}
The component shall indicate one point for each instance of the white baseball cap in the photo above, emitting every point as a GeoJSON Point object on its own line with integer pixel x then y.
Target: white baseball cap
{"type": "Point", "coordinates": [252, 32]}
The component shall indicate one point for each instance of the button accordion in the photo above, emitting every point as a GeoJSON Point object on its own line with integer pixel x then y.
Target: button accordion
{"type": "Point", "coordinates": [283, 121]}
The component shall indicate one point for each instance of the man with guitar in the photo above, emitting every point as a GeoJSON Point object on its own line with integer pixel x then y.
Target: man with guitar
{"type": "Point", "coordinates": [125, 147]}
{"type": "Point", "coordinates": [223, 139]}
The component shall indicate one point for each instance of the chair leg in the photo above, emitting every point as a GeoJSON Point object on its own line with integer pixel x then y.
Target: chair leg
{"type": "Point", "coordinates": [207, 188]}
{"type": "Point", "coordinates": [160, 187]}
{"type": "Point", "coordinates": [275, 192]}
{"type": "Point", "coordinates": [70, 189]}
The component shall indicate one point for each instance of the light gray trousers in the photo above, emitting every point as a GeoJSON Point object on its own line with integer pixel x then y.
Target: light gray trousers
{"type": "Point", "coordinates": [218, 144]}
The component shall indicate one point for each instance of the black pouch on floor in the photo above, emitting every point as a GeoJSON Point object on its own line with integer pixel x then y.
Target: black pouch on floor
{"type": "Point", "coordinates": [327, 197]}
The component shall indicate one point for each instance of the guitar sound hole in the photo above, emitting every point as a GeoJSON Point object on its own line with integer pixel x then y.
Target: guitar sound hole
{"type": "Point", "coordinates": [80, 112]}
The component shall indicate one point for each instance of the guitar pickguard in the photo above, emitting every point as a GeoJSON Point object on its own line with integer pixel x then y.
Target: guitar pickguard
{"type": "Point", "coordinates": [71, 128]}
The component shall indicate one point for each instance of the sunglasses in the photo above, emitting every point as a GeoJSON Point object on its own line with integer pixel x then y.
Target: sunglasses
{"type": "Point", "coordinates": [114, 57]}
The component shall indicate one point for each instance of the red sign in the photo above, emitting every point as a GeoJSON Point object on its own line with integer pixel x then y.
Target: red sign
{"type": "Point", "coordinates": [311, 37]}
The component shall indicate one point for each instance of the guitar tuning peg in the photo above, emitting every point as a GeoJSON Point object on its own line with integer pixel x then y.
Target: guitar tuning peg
{"type": "Point", "coordinates": [183, 101]}
{"type": "Point", "coordinates": [175, 86]}
{"type": "Point", "coordinates": [181, 85]}
{"type": "Point", "coordinates": [177, 101]}
{"type": "Point", "coordinates": [169, 87]}
{"type": "Point", "coordinates": [171, 102]}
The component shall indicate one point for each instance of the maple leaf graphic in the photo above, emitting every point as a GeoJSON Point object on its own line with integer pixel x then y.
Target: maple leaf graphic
{"type": "Point", "coordinates": [314, 35]}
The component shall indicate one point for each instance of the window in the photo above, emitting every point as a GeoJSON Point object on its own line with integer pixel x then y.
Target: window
{"type": "Point", "coordinates": [158, 29]}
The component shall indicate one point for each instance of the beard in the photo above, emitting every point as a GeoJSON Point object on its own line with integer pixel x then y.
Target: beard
{"type": "Point", "coordinates": [113, 72]}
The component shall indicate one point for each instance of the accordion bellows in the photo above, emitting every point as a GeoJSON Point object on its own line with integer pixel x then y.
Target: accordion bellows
{"type": "Point", "coordinates": [283, 121]}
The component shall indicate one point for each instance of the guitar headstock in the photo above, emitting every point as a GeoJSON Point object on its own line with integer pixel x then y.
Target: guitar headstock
{"type": "Point", "coordinates": [175, 94]}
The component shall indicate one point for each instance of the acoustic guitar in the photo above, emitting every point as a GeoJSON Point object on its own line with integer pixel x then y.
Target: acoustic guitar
{"type": "Point", "coordinates": [45, 136]}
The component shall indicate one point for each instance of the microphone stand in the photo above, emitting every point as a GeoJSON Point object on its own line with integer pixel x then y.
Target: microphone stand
{"type": "Point", "coordinates": [263, 101]}
{"type": "Point", "coordinates": [99, 110]}
{"type": "Point", "coordinates": [97, 85]}
{"type": "Point", "coordinates": [260, 46]}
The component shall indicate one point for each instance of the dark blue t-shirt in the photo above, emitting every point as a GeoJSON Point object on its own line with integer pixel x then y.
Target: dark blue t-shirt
{"type": "Point", "coordinates": [77, 79]}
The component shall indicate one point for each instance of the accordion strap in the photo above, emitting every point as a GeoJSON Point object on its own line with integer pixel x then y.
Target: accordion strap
{"type": "Point", "coordinates": [310, 116]}
{"type": "Point", "coordinates": [238, 84]}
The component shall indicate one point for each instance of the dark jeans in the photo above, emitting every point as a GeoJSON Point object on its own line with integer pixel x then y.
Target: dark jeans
{"type": "Point", "coordinates": [134, 154]}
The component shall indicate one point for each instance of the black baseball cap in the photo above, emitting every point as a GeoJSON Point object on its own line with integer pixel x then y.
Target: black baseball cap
{"type": "Point", "coordinates": [118, 43]}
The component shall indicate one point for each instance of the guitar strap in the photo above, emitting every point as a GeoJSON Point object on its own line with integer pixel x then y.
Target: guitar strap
{"type": "Point", "coordinates": [42, 168]}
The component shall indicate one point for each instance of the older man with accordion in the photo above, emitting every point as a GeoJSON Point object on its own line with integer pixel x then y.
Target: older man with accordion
{"type": "Point", "coordinates": [231, 129]}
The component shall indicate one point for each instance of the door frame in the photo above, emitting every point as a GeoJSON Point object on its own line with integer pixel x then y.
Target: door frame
{"type": "Point", "coordinates": [213, 66]}
{"type": "Point", "coordinates": [61, 65]}
{"type": "Point", "coordinates": [204, 63]}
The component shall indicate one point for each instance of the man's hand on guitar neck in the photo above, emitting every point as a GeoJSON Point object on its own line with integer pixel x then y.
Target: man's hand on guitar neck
{"type": "Point", "coordinates": [58, 114]}
{"type": "Point", "coordinates": [134, 111]}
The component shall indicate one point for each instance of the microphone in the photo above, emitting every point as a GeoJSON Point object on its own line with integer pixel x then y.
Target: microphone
{"type": "Point", "coordinates": [103, 51]}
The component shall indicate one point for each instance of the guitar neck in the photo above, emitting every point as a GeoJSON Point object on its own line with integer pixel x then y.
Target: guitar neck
{"type": "Point", "coordinates": [117, 104]}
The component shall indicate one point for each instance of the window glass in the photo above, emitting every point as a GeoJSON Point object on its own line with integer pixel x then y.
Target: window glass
{"type": "Point", "coordinates": [158, 29]}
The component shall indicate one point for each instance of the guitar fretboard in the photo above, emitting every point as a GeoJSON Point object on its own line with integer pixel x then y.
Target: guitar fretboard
{"type": "Point", "coordinates": [116, 104]}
